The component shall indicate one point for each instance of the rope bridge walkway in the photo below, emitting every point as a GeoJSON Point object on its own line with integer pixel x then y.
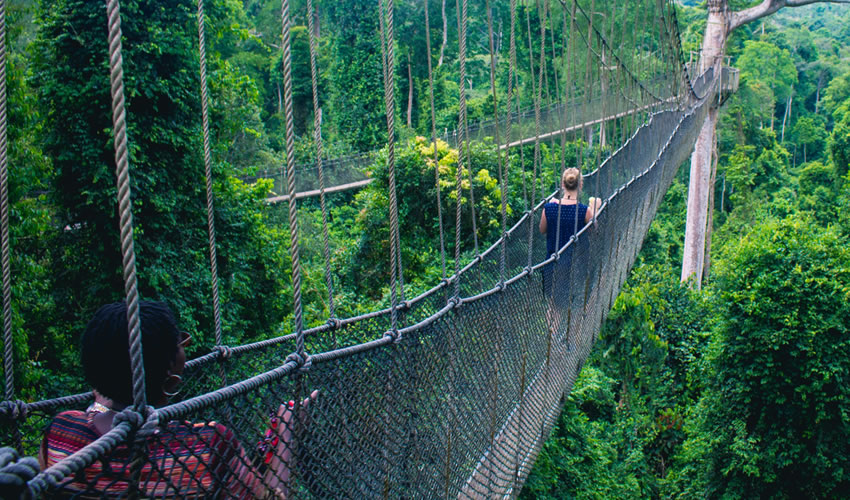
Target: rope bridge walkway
{"type": "Point", "coordinates": [459, 387]}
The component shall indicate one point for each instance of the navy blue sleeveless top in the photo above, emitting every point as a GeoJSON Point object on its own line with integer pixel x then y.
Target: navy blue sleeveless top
{"type": "Point", "coordinates": [570, 222]}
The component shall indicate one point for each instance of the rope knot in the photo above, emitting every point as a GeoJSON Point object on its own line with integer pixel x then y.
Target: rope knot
{"type": "Point", "coordinates": [15, 473]}
{"type": "Point", "coordinates": [454, 302]}
{"type": "Point", "coordinates": [393, 334]}
{"type": "Point", "coordinates": [529, 270]}
{"type": "Point", "coordinates": [334, 323]}
{"type": "Point", "coordinates": [501, 285]}
{"type": "Point", "coordinates": [224, 352]}
{"type": "Point", "coordinates": [131, 416]}
{"type": "Point", "coordinates": [403, 306]}
{"type": "Point", "coordinates": [302, 363]}
{"type": "Point", "coordinates": [14, 410]}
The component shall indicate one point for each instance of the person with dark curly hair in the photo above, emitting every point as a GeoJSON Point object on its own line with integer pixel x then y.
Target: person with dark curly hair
{"type": "Point", "coordinates": [182, 458]}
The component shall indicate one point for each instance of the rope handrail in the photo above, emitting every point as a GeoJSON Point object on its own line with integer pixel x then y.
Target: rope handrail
{"type": "Point", "coordinates": [181, 409]}
{"type": "Point", "coordinates": [50, 404]}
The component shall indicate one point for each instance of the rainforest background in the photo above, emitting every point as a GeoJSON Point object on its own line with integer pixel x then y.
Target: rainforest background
{"type": "Point", "coordinates": [736, 390]}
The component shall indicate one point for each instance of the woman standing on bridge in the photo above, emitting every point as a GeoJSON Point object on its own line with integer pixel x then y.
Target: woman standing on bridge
{"type": "Point", "coordinates": [560, 220]}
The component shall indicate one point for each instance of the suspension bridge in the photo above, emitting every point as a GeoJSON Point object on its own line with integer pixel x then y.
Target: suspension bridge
{"type": "Point", "coordinates": [458, 388]}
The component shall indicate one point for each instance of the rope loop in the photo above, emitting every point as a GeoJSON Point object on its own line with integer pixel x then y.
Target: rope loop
{"type": "Point", "coordinates": [393, 334]}
{"type": "Point", "coordinates": [7, 456]}
{"type": "Point", "coordinates": [15, 473]}
{"type": "Point", "coordinates": [303, 362]}
{"type": "Point", "coordinates": [14, 410]}
{"type": "Point", "coordinates": [224, 352]}
{"type": "Point", "coordinates": [129, 415]}
{"type": "Point", "coordinates": [334, 323]}
{"type": "Point", "coordinates": [145, 424]}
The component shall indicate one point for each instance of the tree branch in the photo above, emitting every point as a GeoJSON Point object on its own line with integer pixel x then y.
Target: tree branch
{"type": "Point", "coordinates": [768, 7]}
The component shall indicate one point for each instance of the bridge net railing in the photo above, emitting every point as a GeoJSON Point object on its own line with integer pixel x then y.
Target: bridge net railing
{"type": "Point", "coordinates": [457, 405]}
{"type": "Point", "coordinates": [578, 114]}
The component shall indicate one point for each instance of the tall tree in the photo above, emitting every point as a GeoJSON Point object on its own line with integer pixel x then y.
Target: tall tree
{"type": "Point", "coordinates": [721, 22]}
{"type": "Point", "coordinates": [163, 115]}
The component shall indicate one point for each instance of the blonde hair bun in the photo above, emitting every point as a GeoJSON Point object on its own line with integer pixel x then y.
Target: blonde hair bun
{"type": "Point", "coordinates": [571, 179]}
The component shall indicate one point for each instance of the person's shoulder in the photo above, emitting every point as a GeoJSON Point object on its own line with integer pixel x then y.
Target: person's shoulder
{"type": "Point", "coordinates": [68, 432]}
{"type": "Point", "coordinates": [70, 417]}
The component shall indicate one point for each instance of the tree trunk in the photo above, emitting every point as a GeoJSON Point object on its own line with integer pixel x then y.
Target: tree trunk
{"type": "Point", "coordinates": [714, 43]}
{"type": "Point", "coordinates": [709, 227]}
{"type": "Point", "coordinates": [279, 100]}
{"type": "Point", "coordinates": [785, 116]}
{"type": "Point", "coordinates": [445, 35]}
{"type": "Point", "coordinates": [409, 93]}
{"type": "Point", "coordinates": [817, 93]}
{"type": "Point", "coordinates": [772, 108]}
{"type": "Point", "coordinates": [719, 24]}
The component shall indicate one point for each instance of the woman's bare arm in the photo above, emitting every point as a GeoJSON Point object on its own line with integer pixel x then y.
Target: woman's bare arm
{"type": "Point", "coordinates": [593, 205]}
{"type": "Point", "coordinates": [543, 222]}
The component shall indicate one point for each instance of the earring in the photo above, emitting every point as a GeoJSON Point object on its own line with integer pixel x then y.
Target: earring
{"type": "Point", "coordinates": [176, 384]}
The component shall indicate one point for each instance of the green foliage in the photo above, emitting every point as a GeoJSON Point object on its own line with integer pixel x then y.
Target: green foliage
{"type": "Point", "coordinates": [768, 74]}
{"type": "Point", "coordinates": [839, 145]}
{"type": "Point", "coordinates": [418, 214]}
{"type": "Point", "coordinates": [779, 360]}
{"type": "Point", "coordinates": [357, 89]}
{"type": "Point", "coordinates": [163, 105]}
{"type": "Point", "coordinates": [810, 133]}
{"type": "Point", "coordinates": [582, 459]}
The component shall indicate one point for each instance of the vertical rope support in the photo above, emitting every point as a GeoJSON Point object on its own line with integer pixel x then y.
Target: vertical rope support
{"type": "Point", "coordinates": [205, 119]}
{"type": "Point", "coordinates": [564, 143]}
{"type": "Point", "coordinates": [567, 56]}
{"type": "Point", "coordinates": [434, 142]}
{"type": "Point", "coordinates": [8, 348]}
{"type": "Point", "coordinates": [286, 50]}
{"type": "Point", "coordinates": [317, 137]}
{"type": "Point", "coordinates": [122, 171]}
{"type": "Point", "coordinates": [461, 25]}
{"type": "Point", "coordinates": [511, 91]}
{"type": "Point", "coordinates": [513, 86]}
{"type": "Point", "coordinates": [465, 126]}
{"type": "Point", "coordinates": [501, 164]}
{"type": "Point", "coordinates": [538, 97]}
{"type": "Point", "coordinates": [385, 67]}
{"type": "Point", "coordinates": [389, 104]}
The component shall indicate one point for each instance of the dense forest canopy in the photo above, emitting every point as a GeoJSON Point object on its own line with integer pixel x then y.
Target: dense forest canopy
{"type": "Point", "coordinates": [736, 390]}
